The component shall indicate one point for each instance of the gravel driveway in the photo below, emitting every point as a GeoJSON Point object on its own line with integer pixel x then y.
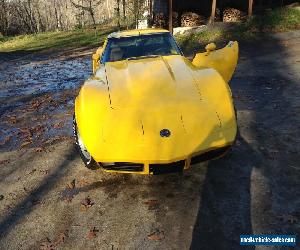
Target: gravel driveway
{"type": "Point", "coordinates": [48, 200]}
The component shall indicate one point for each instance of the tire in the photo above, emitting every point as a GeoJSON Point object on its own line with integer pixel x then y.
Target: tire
{"type": "Point", "coordinates": [87, 159]}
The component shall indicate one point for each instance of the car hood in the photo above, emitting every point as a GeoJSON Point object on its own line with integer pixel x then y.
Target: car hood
{"type": "Point", "coordinates": [146, 97]}
{"type": "Point", "coordinates": [150, 81]}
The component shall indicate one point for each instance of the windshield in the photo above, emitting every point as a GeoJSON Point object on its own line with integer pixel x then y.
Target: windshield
{"type": "Point", "coordinates": [162, 44]}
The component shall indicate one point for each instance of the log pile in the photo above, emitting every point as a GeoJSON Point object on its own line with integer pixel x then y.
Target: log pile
{"type": "Point", "coordinates": [191, 19]}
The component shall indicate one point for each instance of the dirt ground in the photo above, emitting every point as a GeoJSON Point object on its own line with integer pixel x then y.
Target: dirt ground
{"type": "Point", "coordinates": [48, 200]}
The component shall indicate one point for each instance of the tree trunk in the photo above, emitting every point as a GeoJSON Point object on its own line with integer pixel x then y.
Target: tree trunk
{"type": "Point", "coordinates": [118, 14]}
{"type": "Point", "coordinates": [4, 18]}
{"type": "Point", "coordinates": [213, 11]}
{"type": "Point", "coordinates": [150, 19]}
{"type": "Point", "coordinates": [124, 9]}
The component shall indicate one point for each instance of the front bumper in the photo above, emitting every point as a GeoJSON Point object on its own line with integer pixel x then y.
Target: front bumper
{"type": "Point", "coordinates": [172, 167]}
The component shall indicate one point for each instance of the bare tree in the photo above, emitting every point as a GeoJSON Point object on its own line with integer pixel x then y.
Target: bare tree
{"type": "Point", "coordinates": [118, 14]}
{"type": "Point", "coordinates": [88, 6]}
{"type": "Point", "coordinates": [3, 17]}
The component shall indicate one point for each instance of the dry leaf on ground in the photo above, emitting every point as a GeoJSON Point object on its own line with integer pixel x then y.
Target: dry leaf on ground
{"type": "Point", "coordinates": [58, 125]}
{"type": "Point", "coordinates": [71, 185]}
{"type": "Point", "coordinates": [39, 149]}
{"type": "Point", "coordinates": [157, 235]}
{"type": "Point", "coordinates": [86, 203]}
{"type": "Point", "coordinates": [6, 140]}
{"type": "Point", "coordinates": [61, 238]}
{"type": "Point", "coordinates": [24, 144]}
{"type": "Point", "coordinates": [47, 245]}
{"type": "Point", "coordinates": [152, 204]}
{"type": "Point", "coordinates": [4, 161]}
{"type": "Point", "coordinates": [92, 233]}
{"type": "Point", "coordinates": [82, 183]}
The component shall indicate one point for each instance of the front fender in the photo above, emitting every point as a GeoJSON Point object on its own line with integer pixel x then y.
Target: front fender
{"type": "Point", "coordinates": [216, 92]}
{"type": "Point", "coordinates": [91, 107]}
{"type": "Point", "coordinates": [222, 60]}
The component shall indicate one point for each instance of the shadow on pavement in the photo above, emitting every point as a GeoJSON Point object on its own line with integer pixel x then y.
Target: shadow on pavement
{"type": "Point", "coordinates": [26, 206]}
{"type": "Point", "coordinates": [256, 189]}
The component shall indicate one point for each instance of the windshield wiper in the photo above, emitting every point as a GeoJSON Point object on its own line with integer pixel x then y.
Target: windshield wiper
{"type": "Point", "coordinates": [141, 57]}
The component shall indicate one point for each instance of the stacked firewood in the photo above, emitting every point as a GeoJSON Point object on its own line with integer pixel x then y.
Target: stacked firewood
{"type": "Point", "coordinates": [233, 15]}
{"type": "Point", "coordinates": [191, 19]}
{"type": "Point", "coordinates": [160, 20]}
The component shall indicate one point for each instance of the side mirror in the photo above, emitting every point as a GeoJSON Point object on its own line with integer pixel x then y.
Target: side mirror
{"type": "Point", "coordinates": [210, 47]}
{"type": "Point", "coordinates": [95, 59]}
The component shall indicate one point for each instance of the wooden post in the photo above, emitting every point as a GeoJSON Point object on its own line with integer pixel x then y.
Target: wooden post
{"type": "Point", "coordinates": [150, 18]}
{"type": "Point", "coordinates": [250, 8]}
{"type": "Point", "coordinates": [213, 11]}
{"type": "Point", "coordinates": [171, 16]}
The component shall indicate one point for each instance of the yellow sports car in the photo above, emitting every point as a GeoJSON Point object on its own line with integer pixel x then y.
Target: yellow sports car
{"type": "Point", "coordinates": [147, 109]}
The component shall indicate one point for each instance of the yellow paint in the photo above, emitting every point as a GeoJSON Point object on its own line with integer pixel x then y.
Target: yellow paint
{"type": "Point", "coordinates": [223, 60]}
{"type": "Point", "coordinates": [122, 108]}
{"type": "Point", "coordinates": [136, 32]}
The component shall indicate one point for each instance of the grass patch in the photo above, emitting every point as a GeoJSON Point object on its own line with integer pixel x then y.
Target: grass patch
{"type": "Point", "coordinates": [195, 41]}
{"type": "Point", "coordinates": [277, 20]}
{"type": "Point", "coordinates": [281, 19]}
{"type": "Point", "coordinates": [57, 39]}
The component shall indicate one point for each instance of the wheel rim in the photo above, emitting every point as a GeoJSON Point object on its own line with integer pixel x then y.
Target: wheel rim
{"type": "Point", "coordinates": [83, 149]}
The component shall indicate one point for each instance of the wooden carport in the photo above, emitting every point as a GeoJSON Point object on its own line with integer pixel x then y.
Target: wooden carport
{"type": "Point", "coordinates": [213, 11]}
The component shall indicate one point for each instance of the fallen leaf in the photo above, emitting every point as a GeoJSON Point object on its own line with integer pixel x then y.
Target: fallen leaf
{"type": "Point", "coordinates": [71, 185]}
{"type": "Point", "coordinates": [47, 245]}
{"type": "Point", "coordinates": [35, 201]}
{"type": "Point", "coordinates": [92, 233]}
{"type": "Point", "coordinates": [32, 171]}
{"type": "Point", "coordinates": [68, 199]}
{"type": "Point", "coordinates": [37, 130]}
{"type": "Point", "coordinates": [6, 140]}
{"type": "Point", "coordinates": [82, 183]}
{"type": "Point", "coordinates": [61, 238]}
{"type": "Point", "coordinates": [39, 149]}
{"type": "Point", "coordinates": [58, 125]}
{"type": "Point", "coordinates": [4, 161]}
{"type": "Point", "coordinates": [45, 171]}
{"type": "Point", "coordinates": [12, 119]}
{"type": "Point", "coordinates": [152, 204]}
{"type": "Point", "coordinates": [157, 235]}
{"type": "Point", "coordinates": [24, 144]}
{"type": "Point", "coordinates": [86, 203]}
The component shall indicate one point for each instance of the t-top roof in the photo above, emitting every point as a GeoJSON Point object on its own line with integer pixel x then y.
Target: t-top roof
{"type": "Point", "coordinates": [136, 32]}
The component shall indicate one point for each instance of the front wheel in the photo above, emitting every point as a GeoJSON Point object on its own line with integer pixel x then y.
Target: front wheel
{"type": "Point", "coordinates": [88, 160]}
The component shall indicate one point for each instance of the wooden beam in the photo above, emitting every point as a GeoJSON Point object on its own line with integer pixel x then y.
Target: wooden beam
{"type": "Point", "coordinates": [171, 16]}
{"type": "Point", "coordinates": [250, 8]}
{"type": "Point", "coordinates": [213, 11]}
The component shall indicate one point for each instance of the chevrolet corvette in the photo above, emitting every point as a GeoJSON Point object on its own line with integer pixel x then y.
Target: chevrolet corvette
{"type": "Point", "coordinates": [148, 109]}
